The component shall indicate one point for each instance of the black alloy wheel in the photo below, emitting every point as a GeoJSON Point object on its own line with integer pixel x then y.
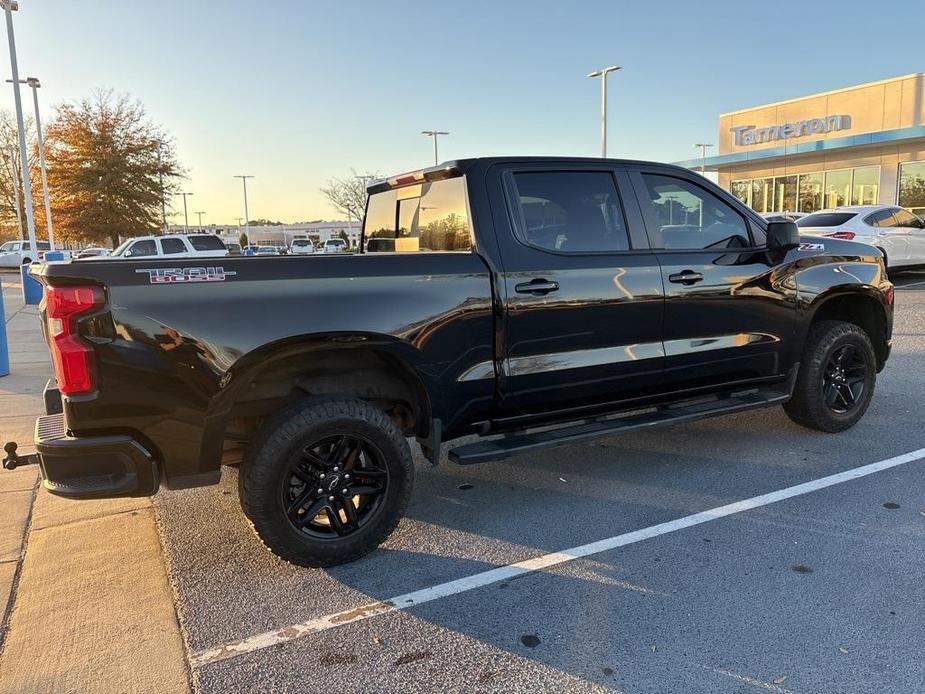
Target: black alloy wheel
{"type": "Point", "coordinates": [334, 486]}
{"type": "Point", "coordinates": [845, 379]}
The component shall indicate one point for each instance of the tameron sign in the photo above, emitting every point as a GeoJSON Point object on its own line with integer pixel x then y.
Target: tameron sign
{"type": "Point", "coordinates": [752, 135]}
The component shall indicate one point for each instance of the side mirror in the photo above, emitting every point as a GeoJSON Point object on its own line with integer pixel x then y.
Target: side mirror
{"type": "Point", "coordinates": [783, 235]}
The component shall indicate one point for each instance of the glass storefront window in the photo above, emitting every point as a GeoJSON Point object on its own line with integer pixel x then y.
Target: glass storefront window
{"type": "Point", "coordinates": [865, 188]}
{"type": "Point", "coordinates": [912, 185]}
{"type": "Point", "coordinates": [837, 188]}
{"type": "Point", "coordinates": [785, 194]}
{"type": "Point", "coordinates": [763, 195]}
{"type": "Point", "coordinates": [810, 188]}
{"type": "Point", "coordinates": [741, 190]}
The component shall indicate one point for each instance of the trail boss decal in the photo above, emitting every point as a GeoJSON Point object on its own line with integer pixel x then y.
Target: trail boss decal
{"type": "Point", "coordinates": [174, 275]}
{"type": "Point", "coordinates": [812, 246]}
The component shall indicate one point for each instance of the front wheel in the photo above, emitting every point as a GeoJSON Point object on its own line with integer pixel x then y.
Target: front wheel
{"type": "Point", "coordinates": [326, 481]}
{"type": "Point", "coordinates": [836, 378]}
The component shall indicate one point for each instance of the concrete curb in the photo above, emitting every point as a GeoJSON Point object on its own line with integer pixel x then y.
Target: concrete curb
{"type": "Point", "coordinates": [84, 594]}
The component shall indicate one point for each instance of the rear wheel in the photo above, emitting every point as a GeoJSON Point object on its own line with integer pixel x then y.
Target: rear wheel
{"type": "Point", "coordinates": [326, 481]}
{"type": "Point", "coordinates": [836, 379]}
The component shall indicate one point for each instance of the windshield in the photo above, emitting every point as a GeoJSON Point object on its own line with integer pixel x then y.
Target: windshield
{"type": "Point", "coordinates": [9, 247]}
{"type": "Point", "coordinates": [825, 219]}
{"type": "Point", "coordinates": [120, 249]}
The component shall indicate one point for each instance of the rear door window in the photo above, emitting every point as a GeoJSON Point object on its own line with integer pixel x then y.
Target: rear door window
{"type": "Point", "coordinates": [172, 246]}
{"type": "Point", "coordinates": [881, 219]}
{"type": "Point", "coordinates": [424, 217]}
{"type": "Point", "coordinates": [569, 211]}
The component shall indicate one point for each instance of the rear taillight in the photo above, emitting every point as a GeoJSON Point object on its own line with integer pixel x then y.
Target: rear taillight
{"type": "Point", "coordinates": [847, 235]}
{"type": "Point", "coordinates": [75, 363]}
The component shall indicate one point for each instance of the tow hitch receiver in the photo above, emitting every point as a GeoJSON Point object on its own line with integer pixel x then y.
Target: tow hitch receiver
{"type": "Point", "coordinates": [13, 460]}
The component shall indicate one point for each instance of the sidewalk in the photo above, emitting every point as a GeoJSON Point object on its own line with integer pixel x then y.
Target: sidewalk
{"type": "Point", "coordinates": [83, 585]}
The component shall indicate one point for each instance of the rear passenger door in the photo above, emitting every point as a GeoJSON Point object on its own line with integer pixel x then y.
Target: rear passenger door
{"type": "Point", "coordinates": [726, 319]}
{"type": "Point", "coordinates": [581, 291]}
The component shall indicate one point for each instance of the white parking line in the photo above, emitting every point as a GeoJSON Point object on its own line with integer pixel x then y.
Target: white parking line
{"type": "Point", "coordinates": [910, 284]}
{"type": "Point", "coordinates": [502, 573]}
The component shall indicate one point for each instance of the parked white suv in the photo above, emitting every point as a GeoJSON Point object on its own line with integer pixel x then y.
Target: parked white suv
{"type": "Point", "coordinates": [302, 247]}
{"type": "Point", "coordinates": [898, 233]}
{"type": "Point", "coordinates": [16, 253]}
{"type": "Point", "coordinates": [172, 246]}
{"type": "Point", "coordinates": [335, 246]}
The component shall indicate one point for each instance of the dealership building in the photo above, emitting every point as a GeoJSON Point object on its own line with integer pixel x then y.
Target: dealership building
{"type": "Point", "coordinates": [853, 146]}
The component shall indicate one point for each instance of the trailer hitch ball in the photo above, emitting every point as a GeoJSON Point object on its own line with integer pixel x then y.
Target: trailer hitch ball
{"type": "Point", "coordinates": [13, 460]}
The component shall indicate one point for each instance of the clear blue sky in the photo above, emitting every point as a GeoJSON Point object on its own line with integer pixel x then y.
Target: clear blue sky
{"type": "Point", "coordinates": [298, 91]}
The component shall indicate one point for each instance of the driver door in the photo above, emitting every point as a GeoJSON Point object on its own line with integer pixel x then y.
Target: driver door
{"type": "Point", "coordinates": [725, 319]}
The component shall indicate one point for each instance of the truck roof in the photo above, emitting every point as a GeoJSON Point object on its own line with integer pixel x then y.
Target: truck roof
{"type": "Point", "coordinates": [457, 167]}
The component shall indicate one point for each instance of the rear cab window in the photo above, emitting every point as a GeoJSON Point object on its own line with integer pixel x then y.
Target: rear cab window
{"type": "Point", "coordinates": [431, 216]}
{"type": "Point", "coordinates": [206, 242]}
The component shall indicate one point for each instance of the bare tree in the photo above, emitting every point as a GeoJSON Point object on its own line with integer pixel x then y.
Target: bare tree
{"type": "Point", "coordinates": [348, 195]}
{"type": "Point", "coordinates": [11, 174]}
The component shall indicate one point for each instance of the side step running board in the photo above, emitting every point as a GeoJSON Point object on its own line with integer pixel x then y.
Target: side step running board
{"type": "Point", "coordinates": [527, 442]}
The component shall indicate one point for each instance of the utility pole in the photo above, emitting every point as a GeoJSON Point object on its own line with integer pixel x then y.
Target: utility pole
{"type": "Point", "coordinates": [703, 156]}
{"type": "Point", "coordinates": [434, 134]}
{"type": "Point", "coordinates": [15, 179]}
{"type": "Point", "coordinates": [9, 6]}
{"type": "Point", "coordinates": [199, 214]}
{"type": "Point", "coordinates": [602, 73]}
{"type": "Point", "coordinates": [185, 214]}
{"type": "Point", "coordinates": [247, 218]}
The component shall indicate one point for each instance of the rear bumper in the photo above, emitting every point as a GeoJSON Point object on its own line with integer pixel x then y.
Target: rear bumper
{"type": "Point", "coordinates": [88, 467]}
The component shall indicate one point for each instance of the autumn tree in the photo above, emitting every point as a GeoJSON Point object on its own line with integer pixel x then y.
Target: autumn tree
{"type": "Point", "coordinates": [348, 195]}
{"type": "Point", "coordinates": [110, 169]}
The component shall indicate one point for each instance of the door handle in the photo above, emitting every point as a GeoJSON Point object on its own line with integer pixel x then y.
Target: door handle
{"type": "Point", "coordinates": [537, 287]}
{"type": "Point", "coordinates": [686, 277]}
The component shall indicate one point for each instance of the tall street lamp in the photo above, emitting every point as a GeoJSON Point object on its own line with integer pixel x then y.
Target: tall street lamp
{"type": "Point", "coordinates": [247, 218]}
{"type": "Point", "coordinates": [9, 6]}
{"type": "Point", "coordinates": [435, 134]}
{"type": "Point", "coordinates": [199, 214]}
{"type": "Point", "coordinates": [15, 178]}
{"type": "Point", "coordinates": [703, 155]}
{"type": "Point", "coordinates": [35, 84]}
{"type": "Point", "coordinates": [602, 73]}
{"type": "Point", "coordinates": [185, 214]}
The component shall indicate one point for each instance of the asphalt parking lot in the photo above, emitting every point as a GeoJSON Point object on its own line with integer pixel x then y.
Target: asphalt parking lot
{"type": "Point", "coordinates": [819, 592]}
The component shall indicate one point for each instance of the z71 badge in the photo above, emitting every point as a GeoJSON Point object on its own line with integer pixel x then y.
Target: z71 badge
{"type": "Point", "coordinates": [174, 275]}
{"type": "Point", "coordinates": [812, 246]}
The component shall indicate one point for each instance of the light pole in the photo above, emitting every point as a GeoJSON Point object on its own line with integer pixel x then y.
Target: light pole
{"type": "Point", "coordinates": [35, 84]}
{"type": "Point", "coordinates": [199, 214]}
{"type": "Point", "coordinates": [602, 73]}
{"type": "Point", "coordinates": [9, 6]}
{"type": "Point", "coordinates": [247, 218]}
{"type": "Point", "coordinates": [703, 155]}
{"type": "Point", "coordinates": [15, 179]}
{"type": "Point", "coordinates": [160, 176]}
{"type": "Point", "coordinates": [435, 134]}
{"type": "Point", "coordinates": [185, 214]}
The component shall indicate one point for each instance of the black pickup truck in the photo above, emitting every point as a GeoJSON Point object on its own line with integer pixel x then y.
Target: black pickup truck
{"type": "Point", "coordinates": [531, 301]}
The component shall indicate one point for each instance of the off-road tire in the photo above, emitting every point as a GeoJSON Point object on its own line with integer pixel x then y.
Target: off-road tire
{"type": "Point", "coordinates": [808, 405]}
{"type": "Point", "coordinates": [266, 463]}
